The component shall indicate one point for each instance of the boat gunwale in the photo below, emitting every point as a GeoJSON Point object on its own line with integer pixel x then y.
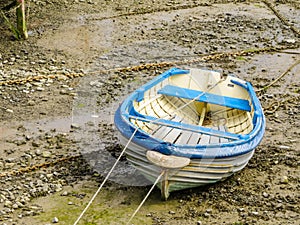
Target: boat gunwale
{"type": "Point", "coordinates": [147, 141]}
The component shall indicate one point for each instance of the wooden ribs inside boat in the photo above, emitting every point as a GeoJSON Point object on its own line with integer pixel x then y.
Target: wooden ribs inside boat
{"type": "Point", "coordinates": [228, 114]}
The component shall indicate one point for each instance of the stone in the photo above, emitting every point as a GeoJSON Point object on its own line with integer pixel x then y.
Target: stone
{"type": "Point", "coordinates": [265, 194]}
{"type": "Point", "coordinates": [8, 203]}
{"type": "Point", "coordinates": [55, 220]}
{"type": "Point", "coordinates": [206, 215]}
{"type": "Point", "coordinates": [38, 152]}
{"type": "Point", "coordinates": [36, 144]}
{"type": "Point", "coordinates": [284, 180]}
{"type": "Point", "coordinates": [75, 126]}
{"type": "Point", "coordinates": [9, 110]}
{"type": "Point", "coordinates": [46, 154]}
{"type": "Point", "coordinates": [65, 193]}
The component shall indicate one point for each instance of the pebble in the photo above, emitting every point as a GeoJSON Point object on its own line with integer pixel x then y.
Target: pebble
{"type": "Point", "coordinates": [265, 194]}
{"type": "Point", "coordinates": [96, 83]}
{"type": "Point", "coordinates": [290, 41]}
{"type": "Point", "coordinates": [63, 92]}
{"type": "Point", "coordinates": [36, 144]}
{"type": "Point", "coordinates": [8, 203]}
{"type": "Point", "coordinates": [65, 193]}
{"type": "Point", "coordinates": [55, 220]}
{"type": "Point", "coordinates": [38, 152]}
{"type": "Point", "coordinates": [31, 103]}
{"type": "Point", "coordinates": [9, 110]}
{"type": "Point", "coordinates": [75, 126]}
{"type": "Point", "coordinates": [40, 89]}
{"type": "Point", "coordinates": [284, 180]}
{"type": "Point", "coordinates": [46, 154]}
{"type": "Point", "coordinates": [284, 147]}
{"type": "Point", "coordinates": [206, 215]}
{"type": "Point", "coordinates": [209, 210]}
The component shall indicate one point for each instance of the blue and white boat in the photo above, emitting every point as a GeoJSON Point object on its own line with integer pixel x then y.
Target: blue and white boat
{"type": "Point", "coordinates": [193, 126]}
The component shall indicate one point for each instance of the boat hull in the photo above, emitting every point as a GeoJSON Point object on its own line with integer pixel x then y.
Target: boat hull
{"type": "Point", "coordinates": [199, 172]}
{"type": "Point", "coordinates": [190, 127]}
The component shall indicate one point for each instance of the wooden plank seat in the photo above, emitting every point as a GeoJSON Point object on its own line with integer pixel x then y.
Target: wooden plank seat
{"type": "Point", "coordinates": [200, 96]}
{"type": "Point", "coordinates": [187, 127]}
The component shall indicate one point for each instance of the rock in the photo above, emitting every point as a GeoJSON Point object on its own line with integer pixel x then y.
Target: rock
{"type": "Point", "coordinates": [206, 215]}
{"type": "Point", "coordinates": [40, 89]}
{"type": "Point", "coordinates": [46, 154]}
{"type": "Point", "coordinates": [241, 209]}
{"type": "Point", "coordinates": [284, 147]}
{"type": "Point", "coordinates": [279, 206]}
{"type": "Point", "coordinates": [265, 194]}
{"type": "Point", "coordinates": [9, 165]}
{"type": "Point", "coordinates": [55, 220]}
{"type": "Point", "coordinates": [62, 77]}
{"type": "Point", "coordinates": [96, 83]}
{"type": "Point", "coordinates": [65, 193]}
{"type": "Point", "coordinates": [38, 152]}
{"type": "Point", "coordinates": [75, 126]}
{"type": "Point", "coordinates": [209, 210]}
{"type": "Point", "coordinates": [284, 180]}
{"type": "Point", "coordinates": [36, 144]}
{"type": "Point", "coordinates": [63, 92]}
{"type": "Point", "coordinates": [8, 203]}
{"type": "Point", "coordinates": [49, 175]}
{"type": "Point", "coordinates": [58, 188]}
{"type": "Point", "coordinates": [9, 110]}
{"type": "Point", "coordinates": [290, 41]}
{"type": "Point", "coordinates": [45, 188]}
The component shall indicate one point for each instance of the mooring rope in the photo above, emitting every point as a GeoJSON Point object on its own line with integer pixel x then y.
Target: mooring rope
{"type": "Point", "coordinates": [145, 198]}
{"type": "Point", "coordinates": [106, 178]}
{"type": "Point", "coordinates": [279, 77]}
{"type": "Point", "coordinates": [123, 151]}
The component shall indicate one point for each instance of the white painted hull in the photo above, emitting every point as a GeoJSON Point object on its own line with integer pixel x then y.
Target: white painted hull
{"type": "Point", "coordinates": [199, 172]}
{"type": "Point", "coordinates": [192, 116]}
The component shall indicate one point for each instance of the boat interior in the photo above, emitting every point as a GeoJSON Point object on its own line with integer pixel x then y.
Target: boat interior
{"type": "Point", "coordinates": [201, 98]}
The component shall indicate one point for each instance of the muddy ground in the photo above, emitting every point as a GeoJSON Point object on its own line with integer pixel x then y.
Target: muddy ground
{"type": "Point", "coordinates": [59, 90]}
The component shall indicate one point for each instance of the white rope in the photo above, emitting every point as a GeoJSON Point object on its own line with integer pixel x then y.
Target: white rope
{"type": "Point", "coordinates": [106, 178]}
{"type": "Point", "coordinates": [158, 178]}
{"type": "Point", "coordinates": [121, 154]}
{"type": "Point", "coordinates": [141, 204]}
